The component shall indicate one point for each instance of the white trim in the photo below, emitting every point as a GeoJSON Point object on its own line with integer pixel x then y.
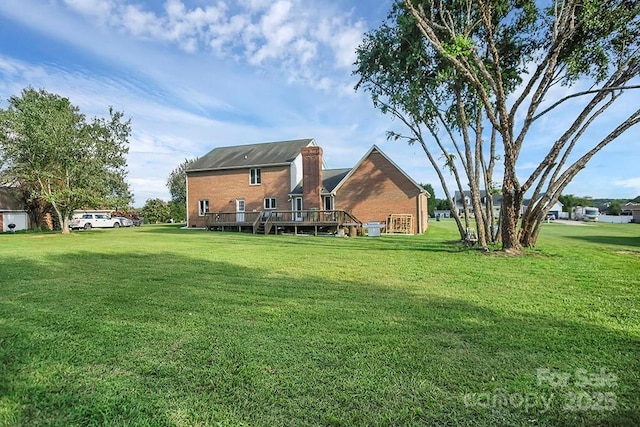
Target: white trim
{"type": "Point", "coordinates": [186, 189]}
{"type": "Point", "coordinates": [275, 203]}
{"type": "Point", "coordinates": [203, 212]}
{"type": "Point", "coordinates": [257, 175]}
{"type": "Point", "coordinates": [420, 231]}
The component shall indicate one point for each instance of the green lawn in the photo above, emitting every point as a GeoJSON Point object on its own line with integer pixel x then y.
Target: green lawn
{"type": "Point", "coordinates": [162, 326]}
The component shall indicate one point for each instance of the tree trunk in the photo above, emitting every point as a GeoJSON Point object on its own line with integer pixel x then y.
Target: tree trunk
{"type": "Point", "coordinates": [477, 210]}
{"type": "Point", "coordinates": [511, 203]}
{"type": "Point", "coordinates": [62, 219]}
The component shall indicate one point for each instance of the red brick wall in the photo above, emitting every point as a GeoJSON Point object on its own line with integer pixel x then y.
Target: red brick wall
{"type": "Point", "coordinates": [312, 178]}
{"type": "Point", "coordinates": [377, 189]}
{"type": "Point", "coordinates": [222, 188]}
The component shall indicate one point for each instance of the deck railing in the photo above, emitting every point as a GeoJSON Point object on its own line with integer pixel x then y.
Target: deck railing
{"type": "Point", "coordinates": [306, 216]}
{"type": "Point", "coordinates": [232, 218]}
{"type": "Point", "coordinates": [269, 219]}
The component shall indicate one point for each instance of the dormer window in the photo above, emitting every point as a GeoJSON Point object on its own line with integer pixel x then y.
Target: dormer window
{"type": "Point", "coordinates": [255, 177]}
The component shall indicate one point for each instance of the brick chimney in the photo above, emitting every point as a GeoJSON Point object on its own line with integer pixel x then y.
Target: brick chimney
{"type": "Point", "coordinates": [311, 178]}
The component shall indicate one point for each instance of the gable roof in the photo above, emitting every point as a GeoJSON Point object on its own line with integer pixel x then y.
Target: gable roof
{"type": "Point", "coordinates": [371, 150]}
{"type": "Point", "coordinates": [252, 155]}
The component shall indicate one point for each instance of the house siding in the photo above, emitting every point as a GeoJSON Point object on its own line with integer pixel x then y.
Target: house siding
{"type": "Point", "coordinates": [223, 187]}
{"type": "Point", "coordinates": [377, 189]}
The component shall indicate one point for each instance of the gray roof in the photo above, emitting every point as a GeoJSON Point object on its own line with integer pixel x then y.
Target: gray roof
{"type": "Point", "coordinates": [10, 199]}
{"type": "Point", "coordinates": [497, 198]}
{"type": "Point", "coordinates": [330, 179]}
{"type": "Point", "coordinates": [253, 155]}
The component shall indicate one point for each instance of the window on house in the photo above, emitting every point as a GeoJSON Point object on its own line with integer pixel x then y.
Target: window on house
{"type": "Point", "coordinates": [255, 176]}
{"type": "Point", "coordinates": [203, 207]}
{"type": "Point", "coordinates": [328, 203]}
{"type": "Point", "coordinates": [270, 203]}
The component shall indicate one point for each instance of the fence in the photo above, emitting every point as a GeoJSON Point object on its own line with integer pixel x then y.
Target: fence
{"type": "Point", "coordinates": [615, 219]}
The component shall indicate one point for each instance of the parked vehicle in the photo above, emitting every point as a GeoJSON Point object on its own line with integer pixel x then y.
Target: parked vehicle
{"type": "Point", "coordinates": [89, 220]}
{"type": "Point", "coordinates": [137, 222]}
{"type": "Point", "coordinates": [125, 222]}
{"type": "Point", "coordinates": [586, 213]}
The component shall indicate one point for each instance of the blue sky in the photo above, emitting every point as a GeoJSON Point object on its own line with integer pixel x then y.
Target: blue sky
{"type": "Point", "coordinates": [198, 74]}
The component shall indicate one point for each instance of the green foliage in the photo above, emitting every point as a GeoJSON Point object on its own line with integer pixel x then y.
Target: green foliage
{"type": "Point", "coordinates": [156, 326]}
{"type": "Point", "coordinates": [156, 211]}
{"type": "Point", "coordinates": [442, 205]}
{"type": "Point", "coordinates": [178, 211]}
{"type": "Point", "coordinates": [431, 203]}
{"type": "Point", "coordinates": [56, 155]}
{"type": "Point", "coordinates": [606, 34]}
{"type": "Point", "coordinates": [177, 182]}
{"type": "Point", "coordinates": [614, 208]}
{"type": "Point", "coordinates": [403, 72]}
{"type": "Point", "coordinates": [459, 46]}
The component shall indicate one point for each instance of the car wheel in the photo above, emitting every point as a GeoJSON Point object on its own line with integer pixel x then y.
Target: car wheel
{"type": "Point", "coordinates": [116, 225]}
{"type": "Point", "coordinates": [87, 226]}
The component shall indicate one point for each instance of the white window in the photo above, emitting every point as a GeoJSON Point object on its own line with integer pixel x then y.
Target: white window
{"type": "Point", "coordinates": [255, 177]}
{"type": "Point", "coordinates": [203, 207]}
{"type": "Point", "coordinates": [270, 203]}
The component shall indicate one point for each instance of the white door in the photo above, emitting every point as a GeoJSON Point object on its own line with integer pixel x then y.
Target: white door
{"type": "Point", "coordinates": [297, 207]}
{"type": "Point", "coordinates": [240, 210]}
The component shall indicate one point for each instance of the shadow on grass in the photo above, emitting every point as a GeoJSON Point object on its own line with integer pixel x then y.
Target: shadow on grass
{"type": "Point", "coordinates": [385, 242]}
{"type": "Point", "coordinates": [166, 339]}
{"type": "Point", "coordinates": [610, 240]}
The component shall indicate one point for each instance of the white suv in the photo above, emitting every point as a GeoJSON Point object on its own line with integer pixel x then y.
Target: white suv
{"type": "Point", "coordinates": [89, 221]}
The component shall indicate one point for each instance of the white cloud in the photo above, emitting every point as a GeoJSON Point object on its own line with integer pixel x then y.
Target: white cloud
{"type": "Point", "coordinates": [101, 9]}
{"type": "Point", "coordinates": [141, 23]}
{"type": "Point", "coordinates": [631, 183]}
{"type": "Point", "coordinates": [279, 36]}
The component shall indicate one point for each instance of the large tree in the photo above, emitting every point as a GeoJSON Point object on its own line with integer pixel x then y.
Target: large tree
{"type": "Point", "coordinates": [55, 154]}
{"type": "Point", "coordinates": [508, 55]}
{"type": "Point", "coordinates": [442, 113]}
{"type": "Point", "coordinates": [177, 182]}
{"type": "Point", "coordinates": [155, 211]}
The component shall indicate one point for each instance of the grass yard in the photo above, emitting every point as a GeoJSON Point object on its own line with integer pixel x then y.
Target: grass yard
{"type": "Point", "coordinates": [166, 327]}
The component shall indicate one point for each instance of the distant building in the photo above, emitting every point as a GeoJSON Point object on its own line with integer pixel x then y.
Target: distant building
{"type": "Point", "coordinates": [632, 209]}
{"type": "Point", "coordinates": [464, 199]}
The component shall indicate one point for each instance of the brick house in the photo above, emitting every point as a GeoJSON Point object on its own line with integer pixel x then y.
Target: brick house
{"type": "Point", "coordinates": [287, 184]}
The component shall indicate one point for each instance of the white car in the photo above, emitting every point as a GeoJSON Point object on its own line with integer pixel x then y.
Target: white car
{"type": "Point", "coordinates": [89, 221]}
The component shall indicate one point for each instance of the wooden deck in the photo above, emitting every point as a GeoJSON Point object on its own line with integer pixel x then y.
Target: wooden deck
{"type": "Point", "coordinates": [265, 222]}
